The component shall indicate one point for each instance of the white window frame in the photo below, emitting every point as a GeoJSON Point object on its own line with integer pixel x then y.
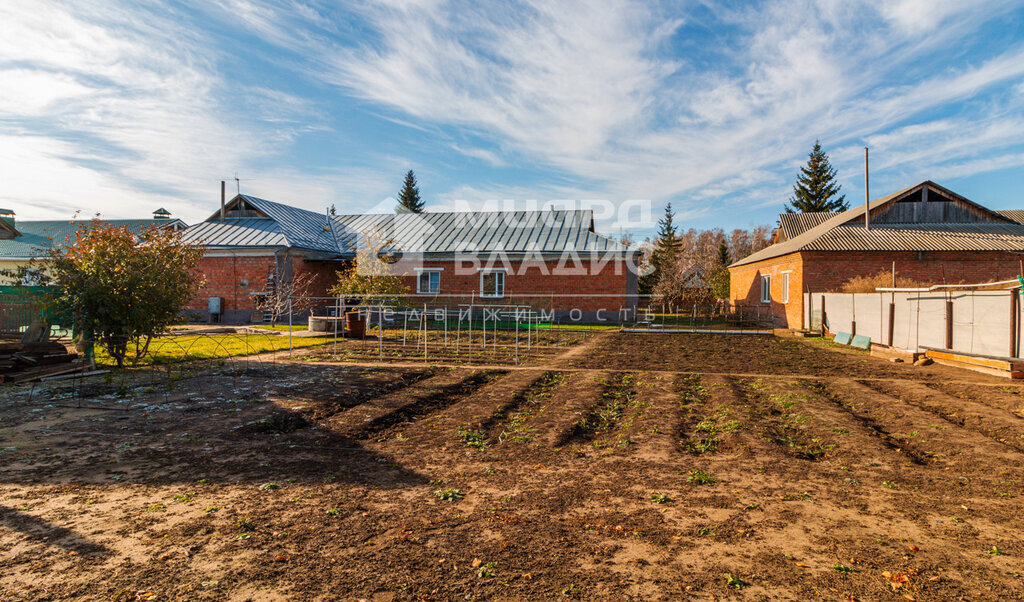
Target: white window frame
{"type": "Point", "coordinates": [785, 287]}
{"type": "Point", "coordinates": [766, 288]}
{"type": "Point", "coordinates": [501, 294]}
{"type": "Point", "coordinates": [419, 274]}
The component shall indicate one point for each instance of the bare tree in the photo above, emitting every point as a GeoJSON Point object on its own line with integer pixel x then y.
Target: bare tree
{"type": "Point", "coordinates": [286, 293]}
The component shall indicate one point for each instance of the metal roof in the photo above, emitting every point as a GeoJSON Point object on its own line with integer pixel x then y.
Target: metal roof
{"type": "Point", "coordinates": [792, 225]}
{"type": "Point", "coordinates": [845, 232]}
{"type": "Point", "coordinates": [442, 232]}
{"type": "Point", "coordinates": [237, 232]}
{"type": "Point", "coordinates": [496, 231]}
{"type": "Point", "coordinates": [38, 236]}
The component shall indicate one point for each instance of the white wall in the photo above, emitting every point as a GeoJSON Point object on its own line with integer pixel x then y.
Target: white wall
{"type": "Point", "coordinates": [981, 319]}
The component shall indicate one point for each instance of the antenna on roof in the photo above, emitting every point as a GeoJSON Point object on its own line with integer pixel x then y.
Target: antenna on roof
{"type": "Point", "coordinates": [238, 184]}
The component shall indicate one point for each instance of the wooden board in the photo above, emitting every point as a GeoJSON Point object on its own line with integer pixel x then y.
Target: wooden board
{"type": "Point", "coordinates": [974, 360]}
{"type": "Point", "coordinates": [842, 338]}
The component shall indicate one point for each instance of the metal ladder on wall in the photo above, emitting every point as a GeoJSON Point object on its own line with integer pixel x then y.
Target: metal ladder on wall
{"type": "Point", "coordinates": [268, 316]}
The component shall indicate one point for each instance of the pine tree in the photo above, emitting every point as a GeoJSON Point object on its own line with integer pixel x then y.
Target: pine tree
{"type": "Point", "coordinates": [724, 259]}
{"type": "Point", "coordinates": [409, 198]}
{"type": "Point", "coordinates": [816, 186]}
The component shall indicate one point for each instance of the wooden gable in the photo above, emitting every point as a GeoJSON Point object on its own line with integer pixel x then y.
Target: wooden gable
{"type": "Point", "coordinates": [932, 204]}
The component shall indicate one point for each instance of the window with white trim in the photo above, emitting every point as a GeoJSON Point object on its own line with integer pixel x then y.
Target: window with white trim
{"type": "Point", "coordinates": [492, 283]}
{"type": "Point", "coordinates": [785, 287]}
{"type": "Point", "coordinates": [428, 282]}
{"type": "Point", "coordinates": [766, 288]}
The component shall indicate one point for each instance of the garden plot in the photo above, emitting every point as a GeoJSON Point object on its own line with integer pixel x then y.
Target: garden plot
{"type": "Point", "coordinates": [629, 467]}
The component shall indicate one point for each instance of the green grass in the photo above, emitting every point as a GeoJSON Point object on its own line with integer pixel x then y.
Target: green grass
{"type": "Point", "coordinates": [284, 327]}
{"type": "Point", "coordinates": [168, 350]}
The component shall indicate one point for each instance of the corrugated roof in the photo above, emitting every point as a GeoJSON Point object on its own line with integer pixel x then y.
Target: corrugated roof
{"type": "Point", "coordinates": [1016, 215]}
{"type": "Point", "coordinates": [37, 236]}
{"type": "Point", "coordinates": [845, 232]}
{"type": "Point", "coordinates": [795, 224]}
{"type": "Point", "coordinates": [442, 232]}
{"type": "Point", "coordinates": [237, 232]}
{"type": "Point", "coordinates": [504, 231]}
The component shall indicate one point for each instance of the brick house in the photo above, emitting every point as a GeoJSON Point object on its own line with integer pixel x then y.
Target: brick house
{"type": "Point", "coordinates": [928, 232]}
{"type": "Point", "coordinates": [546, 259]}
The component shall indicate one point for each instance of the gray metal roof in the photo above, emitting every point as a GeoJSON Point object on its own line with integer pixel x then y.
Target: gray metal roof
{"type": "Point", "coordinates": [442, 232]}
{"type": "Point", "coordinates": [845, 232]}
{"type": "Point", "coordinates": [497, 231]}
{"type": "Point", "coordinates": [238, 232]}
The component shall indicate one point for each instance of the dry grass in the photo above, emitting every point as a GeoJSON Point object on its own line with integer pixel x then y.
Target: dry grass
{"type": "Point", "coordinates": [883, 279]}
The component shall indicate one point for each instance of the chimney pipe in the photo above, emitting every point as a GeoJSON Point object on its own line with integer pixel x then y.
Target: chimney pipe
{"type": "Point", "coordinates": [867, 196]}
{"type": "Point", "coordinates": [223, 210]}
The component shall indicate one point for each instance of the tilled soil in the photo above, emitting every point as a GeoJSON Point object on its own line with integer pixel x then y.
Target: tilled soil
{"type": "Point", "coordinates": [671, 467]}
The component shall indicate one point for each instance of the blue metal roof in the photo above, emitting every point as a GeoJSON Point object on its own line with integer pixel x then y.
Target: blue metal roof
{"type": "Point", "coordinates": [38, 236]}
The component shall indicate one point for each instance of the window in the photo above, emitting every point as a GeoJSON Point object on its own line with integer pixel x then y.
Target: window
{"type": "Point", "coordinates": [492, 283]}
{"type": "Point", "coordinates": [766, 289]}
{"type": "Point", "coordinates": [785, 287]}
{"type": "Point", "coordinates": [428, 282]}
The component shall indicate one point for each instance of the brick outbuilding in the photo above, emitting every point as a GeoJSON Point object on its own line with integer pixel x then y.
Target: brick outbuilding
{"type": "Point", "coordinates": [926, 232]}
{"type": "Point", "coordinates": [550, 260]}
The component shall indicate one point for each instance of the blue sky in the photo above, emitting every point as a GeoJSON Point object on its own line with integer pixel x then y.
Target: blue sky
{"type": "Point", "coordinates": [121, 107]}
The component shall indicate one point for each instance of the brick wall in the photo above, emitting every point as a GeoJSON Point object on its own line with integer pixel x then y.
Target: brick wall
{"type": "Point", "coordinates": [824, 271]}
{"type": "Point", "coordinates": [745, 287]}
{"type": "Point", "coordinates": [535, 283]}
{"type": "Point", "coordinates": [235, 278]}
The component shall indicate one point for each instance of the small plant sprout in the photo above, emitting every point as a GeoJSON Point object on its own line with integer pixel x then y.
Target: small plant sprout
{"type": "Point", "coordinates": [572, 590]}
{"type": "Point", "coordinates": [211, 509]}
{"type": "Point", "coordinates": [734, 581]}
{"type": "Point", "coordinates": [995, 551]}
{"type": "Point", "coordinates": [334, 510]}
{"type": "Point", "coordinates": [269, 486]}
{"type": "Point", "coordinates": [449, 494]}
{"type": "Point", "coordinates": [486, 570]}
{"type": "Point", "coordinates": [661, 498]}
{"type": "Point", "coordinates": [699, 477]}
{"type": "Point", "coordinates": [841, 568]}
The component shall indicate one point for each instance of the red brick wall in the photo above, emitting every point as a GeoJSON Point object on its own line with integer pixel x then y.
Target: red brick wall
{"type": "Point", "coordinates": [826, 271]}
{"type": "Point", "coordinates": [225, 276]}
{"type": "Point", "coordinates": [532, 285]}
{"type": "Point", "coordinates": [540, 287]}
{"type": "Point", "coordinates": [745, 287]}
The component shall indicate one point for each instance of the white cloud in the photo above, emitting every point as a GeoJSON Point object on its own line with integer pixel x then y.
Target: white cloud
{"type": "Point", "coordinates": [616, 99]}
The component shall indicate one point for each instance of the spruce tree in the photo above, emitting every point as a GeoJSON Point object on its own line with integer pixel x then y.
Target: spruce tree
{"type": "Point", "coordinates": [409, 197]}
{"type": "Point", "coordinates": [665, 247]}
{"type": "Point", "coordinates": [724, 259]}
{"type": "Point", "coordinates": [663, 253]}
{"type": "Point", "coordinates": [816, 186]}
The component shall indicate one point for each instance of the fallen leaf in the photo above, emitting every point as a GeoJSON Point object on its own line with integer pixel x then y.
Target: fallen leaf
{"type": "Point", "coordinates": [527, 576]}
{"type": "Point", "coordinates": [476, 562]}
{"type": "Point", "coordinates": [800, 564]}
{"type": "Point", "coordinates": [280, 559]}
